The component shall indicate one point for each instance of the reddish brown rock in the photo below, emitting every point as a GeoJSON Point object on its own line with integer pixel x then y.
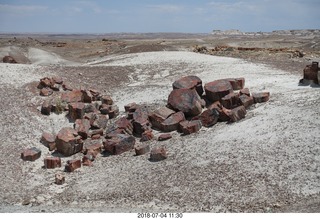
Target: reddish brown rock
{"type": "Point", "coordinates": [95, 132]}
{"type": "Point", "coordinates": [57, 79]}
{"type": "Point", "coordinates": [245, 91]}
{"type": "Point", "coordinates": [164, 137]}
{"type": "Point", "coordinates": [209, 117]}
{"type": "Point", "coordinates": [223, 117]}
{"type": "Point", "coordinates": [119, 144]}
{"type": "Point", "coordinates": [90, 108]}
{"type": "Point", "coordinates": [100, 122]}
{"type": "Point", "coordinates": [68, 142]}
{"type": "Point", "coordinates": [56, 87]}
{"type": "Point", "coordinates": [158, 154]}
{"type": "Point", "coordinates": [87, 160]}
{"type": "Point", "coordinates": [230, 101]}
{"type": "Point", "coordinates": [31, 154]}
{"type": "Point", "coordinates": [310, 72]}
{"type": "Point", "coordinates": [186, 101]}
{"type": "Point", "coordinates": [9, 59]}
{"type": "Point", "coordinates": [189, 127]}
{"type": "Point", "coordinates": [87, 96]}
{"type": "Point", "coordinates": [46, 108]}
{"type": "Point", "coordinates": [82, 126]}
{"type": "Point", "coordinates": [95, 137]}
{"type": "Point", "coordinates": [237, 113]}
{"type": "Point", "coordinates": [261, 97]}
{"type": "Point", "coordinates": [91, 117]}
{"type": "Point", "coordinates": [189, 82]}
{"type": "Point", "coordinates": [172, 122]}
{"type": "Point", "coordinates": [66, 87]}
{"type": "Point", "coordinates": [106, 100]}
{"type": "Point", "coordinates": [46, 91]}
{"type": "Point", "coordinates": [76, 110]}
{"type": "Point", "coordinates": [72, 96]}
{"type": "Point", "coordinates": [246, 101]}
{"type": "Point", "coordinates": [72, 165]}
{"type": "Point", "coordinates": [124, 124]}
{"type": "Point", "coordinates": [140, 121]}
{"type": "Point", "coordinates": [215, 90]}
{"type": "Point", "coordinates": [158, 116]}
{"type": "Point", "coordinates": [142, 149]}
{"type": "Point", "coordinates": [59, 179]}
{"type": "Point", "coordinates": [236, 83]}
{"type": "Point", "coordinates": [111, 110]}
{"type": "Point", "coordinates": [147, 136]}
{"type": "Point", "coordinates": [96, 148]}
{"type": "Point", "coordinates": [45, 82]}
{"type": "Point", "coordinates": [96, 96]}
{"type": "Point", "coordinates": [131, 107]}
{"type": "Point", "coordinates": [48, 140]}
{"type": "Point", "coordinates": [52, 162]}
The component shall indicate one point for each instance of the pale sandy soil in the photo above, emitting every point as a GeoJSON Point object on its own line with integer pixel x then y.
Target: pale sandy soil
{"type": "Point", "coordinates": [267, 162]}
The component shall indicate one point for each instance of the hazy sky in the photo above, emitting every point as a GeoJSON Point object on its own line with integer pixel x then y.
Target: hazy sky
{"type": "Point", "coordinates": [202, 16]}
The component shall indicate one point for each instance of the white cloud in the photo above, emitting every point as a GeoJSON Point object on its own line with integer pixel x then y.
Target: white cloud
{"type": "Point", "coordinates": [21, 9]}
{"type": "Point", "coordinates": [166, 8]}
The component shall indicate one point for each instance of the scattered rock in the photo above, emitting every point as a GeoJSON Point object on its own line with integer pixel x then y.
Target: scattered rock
{"type": "Point", "coordinates": [68, 142]}
{"type": "Point", "coordinates": [172, 122]}
{"type": "Point", "coordinates": [48, 140]}
{"type": "Point", "coordinates": [100, 122]}
{"type": "Point", "coordinates": [157, 117]}
{"type": "Point", "coordinates": [261, 97]}
{"type": "Point", "coordinates": [124, 124]}
{"type": "Point", "coordinates": [52, 162]}
{"type": "Point", "coordinates": [76, 110]}
{"type": "Point", "coordinates": [131, 107]}
{"type": "Point", "coordinates": [245, 91]}
{"type": "Point", "coordinates": [147, 136]}
{"type": "Point", "coordinates": [59, 179]}
{"type": "Point", "coordinates": [9, 59]}
{"type": "Point", "coordinates": [46, 91]}
{"type": "Point", "coordinates": [158, 154]}
{"type": "Point", "coordinates": [93, 149]}
{"type": "Point", "coordinates": [223, 117]}
{"type": "Point", "coordinates": [189, 127]}
{"type": "Point", "coordinates": [82, 126]}
{"type": "Point", "coordinates": [164, 137]}
{"type": "Point", "coordinates": [237, 113]}
{"type": "Point", "coordinates": [72, 96]}
{"type": "Point", "coordinates": [209, 117]}
{"type": "Point", "coordinates": [107, 100]}
{"type": "Point", "coordinates": [140, 121]}
{"type": "Point", "coordinates": [186, 101]}
{"type": "Point", "coordinates": [246, 100]}
{"type": "Point", "coordinates": [310, 72]}
{"type": "Point", "coordinates": [46, 108]}
{"type": "Point", "coordinates": [142, 149]}
{"type": "Point", "coordinates": [31, 154]}
{"type": "Point", "coordinates": [230, 101]}
{"type": "Point", "coordinates": [72, 165]}
{"type": "Point", "coordinates": [189, 82]}
{"type": "Point", "coordinates": [119, 144]}
{"type": "Point", "coordinates": [87, 96]}
{"type": "Point", "coordinates": [236, 83]}
{"type": "Point", "coordinates": [87, 160]}
{"type": "Point", "coordinates": [215, 90]}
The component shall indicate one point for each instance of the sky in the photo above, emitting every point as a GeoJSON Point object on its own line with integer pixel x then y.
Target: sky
{"type": "Point", "coordinates": [197, 16]}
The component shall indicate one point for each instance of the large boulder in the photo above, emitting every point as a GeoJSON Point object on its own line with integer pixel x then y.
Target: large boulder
{"type": "Point", "coordinates": [215, 90]}
{"type": "Point", "coordinates": [119, 144]}
{"type": "Point", "coordinates": [189, 82]}
{"type": "Point", "coordinates": [185, 100]}
{"type": "Point", "coordinates": [68, 141]}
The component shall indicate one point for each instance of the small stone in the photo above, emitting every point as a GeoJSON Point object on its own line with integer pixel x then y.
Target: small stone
{"type": "Point", "coordinates": [131, 107]}
{"type": "Point", "coordinates": [119, 144]}
{"type": "Point", "coordinates": [236, 83]}
{"type": "Point", "coordinates": [46, 108]}
{"type": "Point", "coordinates": [48, 140]}
{"type": "Point", "coordinates": [82, 126]}
{"type": "Point", "coordinates": [72, 96]}
{"type": "Point", "coordinates": [52, 162]}
{"type": "Point", "coordinates": [237, 113]}
{"type": "Point", "coordinates": [189, 127]}
{"type": "Point", "coordinates": [158, 116]}
{"type": "Point", "coordinates": [142, 149]}
{"type": "Point", "coordinates": [59, 178]}
{"type": "Point", "coordinates": [164, 137]}
{"type": "Point", "coordinates": [230, 101]}
{"type": "Point", "coordinates": [245, 91]}
{"type": "Point", "coordinates": [107, 100]}
{"type": "Point", "coordinates": [261, 97]}
{"type": "Point", "coordinates": [87, 160]}
{"type": "Point", "coordinates": [96, 148]}
{"type": "Point", "coordinates": [172, 122]}
{"type": "Point", "coordinates": [72, 165]}
{"type": "Point", "coordinates": [158, 153]}
{"type": "Point", "coordinates": [76, 110]}
{"type": "Point", "coordinates": [31, 154]}
{"type": "Point", "coordinates": [209, 117]}
{"type": "Point", "coordinates": [68, 141]}
{"type": "Point", "coordinates": [246, 101]}
{"type": "Point", "coordinates": [46, 91]}
{"type": "Point", "coordinates": [147, 136]}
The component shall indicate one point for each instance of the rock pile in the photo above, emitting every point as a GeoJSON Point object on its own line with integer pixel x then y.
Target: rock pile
{"type": "Point", "coordinates": [190, 106]}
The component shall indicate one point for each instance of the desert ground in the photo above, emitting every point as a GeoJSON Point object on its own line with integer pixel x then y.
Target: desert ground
{"type": "Point", "coordinates": [267, 162]}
